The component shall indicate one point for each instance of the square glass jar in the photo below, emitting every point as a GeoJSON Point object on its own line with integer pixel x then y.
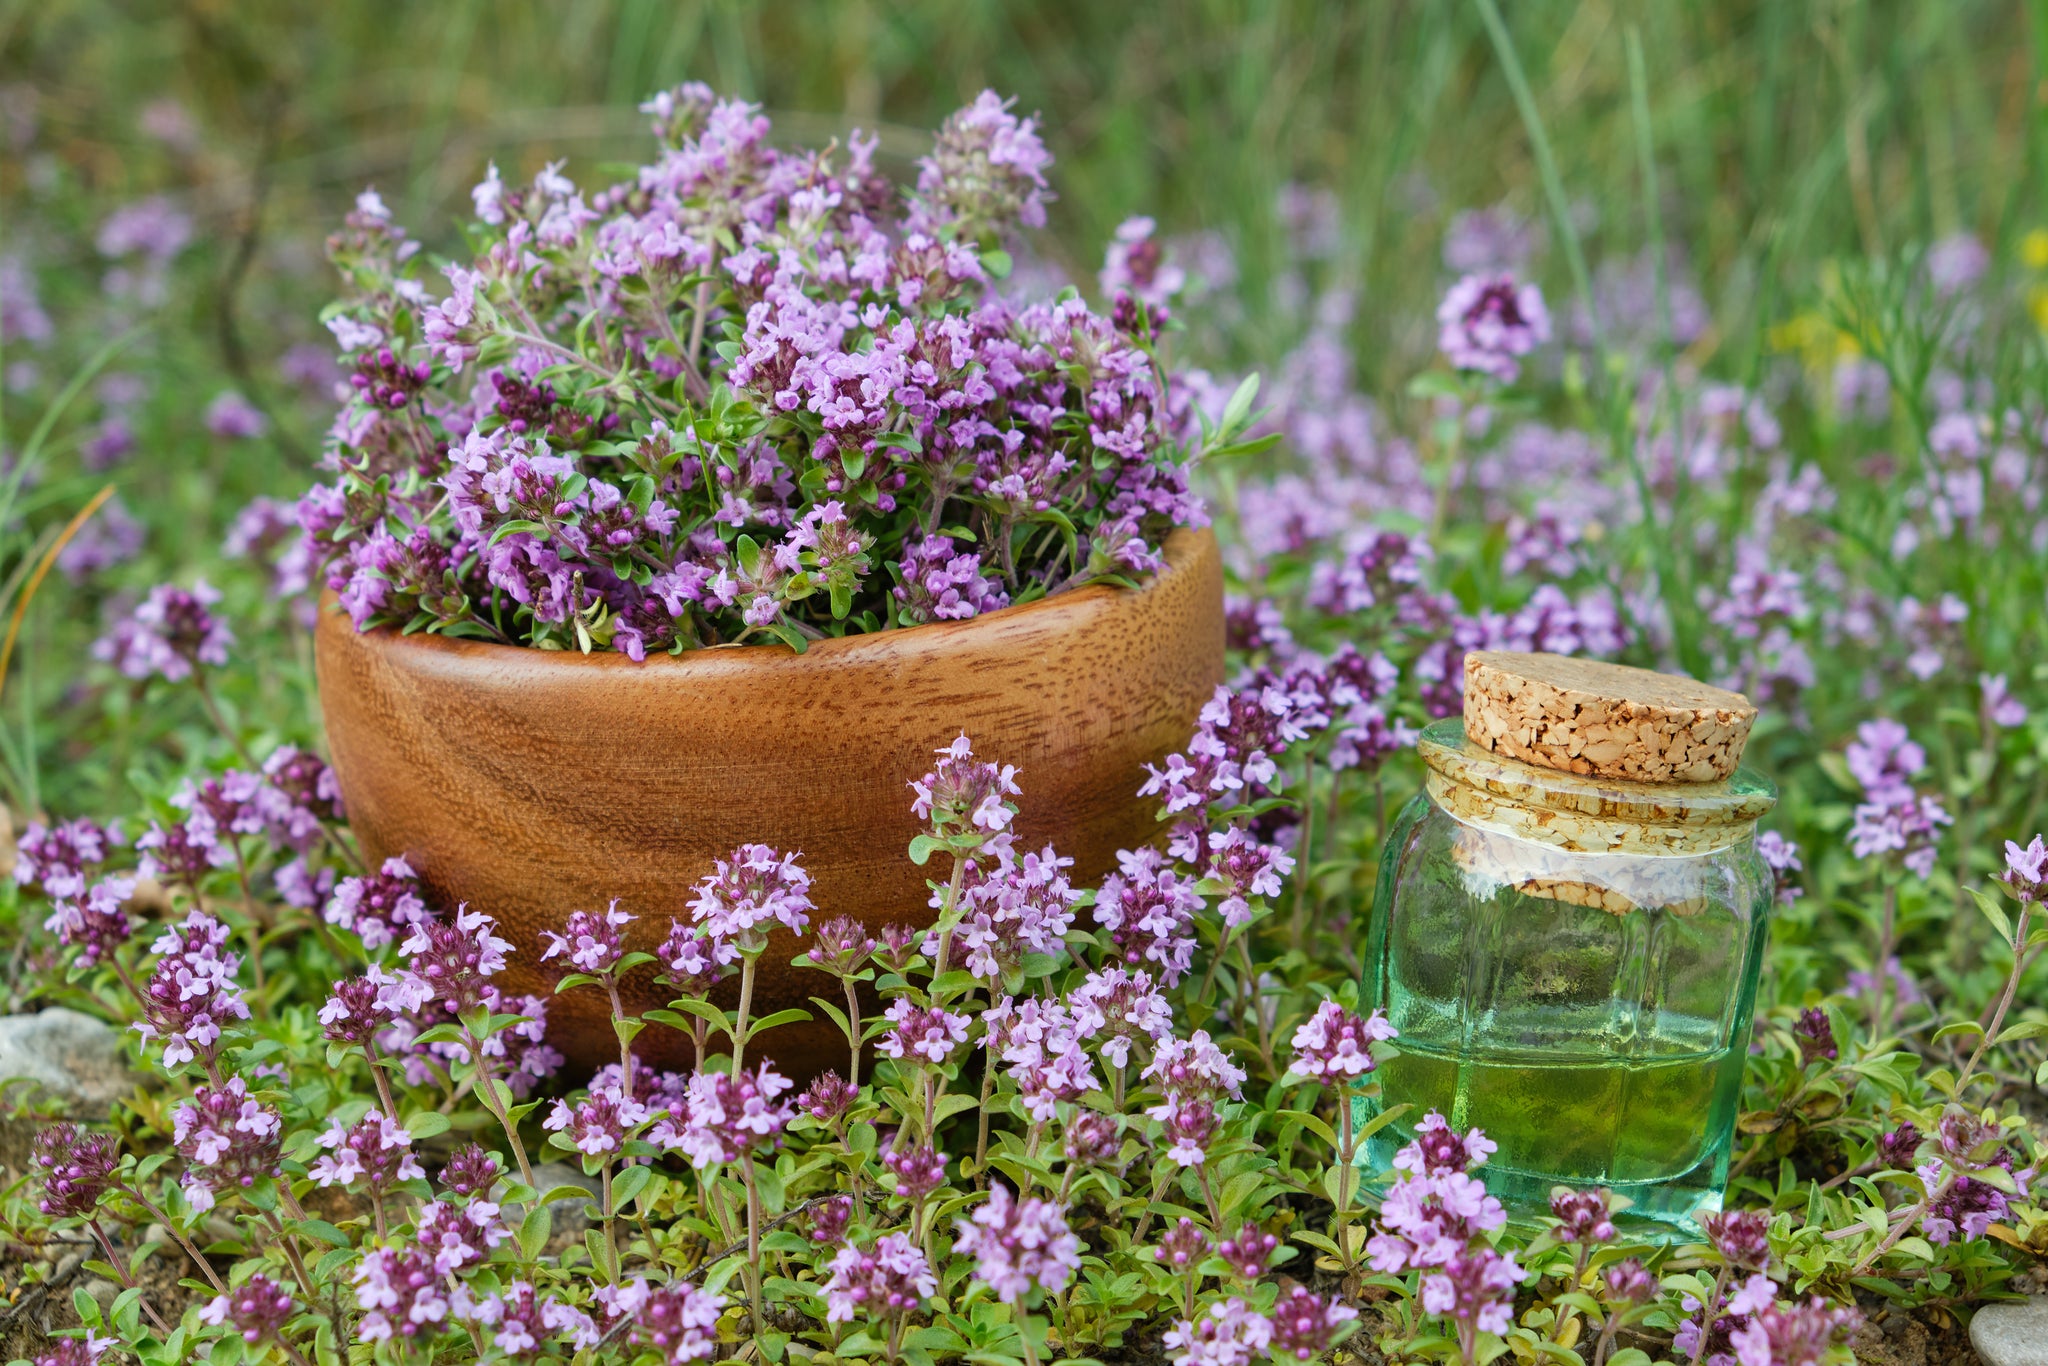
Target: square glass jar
{"type": "Point", "coordinates": [1572, 963]}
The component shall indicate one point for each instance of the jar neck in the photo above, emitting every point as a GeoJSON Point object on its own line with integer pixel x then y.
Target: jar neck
{"type": "Point", "coordinates": [1577, 832]}
{"type": "Point", "coordinates": [1583, 814]}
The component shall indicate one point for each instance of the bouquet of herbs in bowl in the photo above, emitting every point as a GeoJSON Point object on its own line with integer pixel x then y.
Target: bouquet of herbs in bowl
{"type": "Point", "coordinates": [752, 393]}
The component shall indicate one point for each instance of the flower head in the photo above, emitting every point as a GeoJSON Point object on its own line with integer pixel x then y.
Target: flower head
{"type": "Point", "coordinates": [887, 1281]}
{"type": "Point", "coordinates": [169, 635]}
{"type": "Point", "coordinates": [1232, 1333]}
{"type": "Point", "coordinates": [76, 1167]}
{"type": "Point", "coordinates": [964, 798]}
{"type": "Point", "coordinates": [258, 1309]}
{"type": "Point", "coordinates": [1305, 1325]}
{"type": "Point", "coordinates": [751, 890]}
{"type": "Point", "coordinates": [1582, 1216]}
{"type": "Point", "coordinates": [1335, 1044]}
{"type": "Point", "coordinates": [455, 958]}
{"type": "Point", "coordinates": [1488, 321]}
{"type": "Point", "coordinates": [591, 941]}
{"type": "Point", "coordinates": [1019, 1245]}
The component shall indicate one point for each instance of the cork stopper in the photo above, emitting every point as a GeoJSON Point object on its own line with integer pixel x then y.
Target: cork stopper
{"type": "Point", "coordinates": [1605, 720]}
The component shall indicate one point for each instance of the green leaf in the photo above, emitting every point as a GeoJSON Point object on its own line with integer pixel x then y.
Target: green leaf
{"type": "Point", "coordinates": [1969, 1028]}
{"type": "Point", "coordinates": [535, 1229]}
{"type": "Point", "coordinates": [427, 1124]}
{"type": "Point", "coordinates": [628, 1184]}
{"type": "Point", "coordinates": [2030, 1029]}
{"type": "Point", "coordinates": [1995, 913]}
{"type": "Point", "coordinates": [794, 1015]}
{"type": "Point", "coordinates": [788, 635]}
{"type": "Point", "coordinates": [922, 847]}
{"type": "Point", "coordinates": [1238, 410]}
{"type": "Point", "coordinates": [577, 979]}
{"type": "Point", "coordinates": [997, 263]}
{"type": "Point", "coordinates": [747, 551]}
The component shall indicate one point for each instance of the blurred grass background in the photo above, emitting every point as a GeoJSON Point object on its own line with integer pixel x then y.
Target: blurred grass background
{"type": "Point", "coordinates": [1786, 136]}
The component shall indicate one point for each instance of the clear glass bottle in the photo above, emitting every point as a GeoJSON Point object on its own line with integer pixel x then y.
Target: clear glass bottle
{"type": "Point", "coordinates": [1571, 963]}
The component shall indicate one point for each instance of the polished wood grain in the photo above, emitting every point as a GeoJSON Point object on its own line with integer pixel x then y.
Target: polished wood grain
{"type": "Point", "coordinates": [530, 783]}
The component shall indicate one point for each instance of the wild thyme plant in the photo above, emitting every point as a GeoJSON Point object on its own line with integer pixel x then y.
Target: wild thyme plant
{"type": "Point", "coordinates": [1094, 1116]}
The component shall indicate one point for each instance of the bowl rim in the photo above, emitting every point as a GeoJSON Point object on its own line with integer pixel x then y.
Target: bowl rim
{"type": "Point", "coordinates": [1185, 548]}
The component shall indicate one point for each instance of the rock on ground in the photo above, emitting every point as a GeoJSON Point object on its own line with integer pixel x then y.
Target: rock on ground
{"type": "Point", "coordinates": [2012, 1334]}
{"type": "Point", "coordinates": [67, 1054]}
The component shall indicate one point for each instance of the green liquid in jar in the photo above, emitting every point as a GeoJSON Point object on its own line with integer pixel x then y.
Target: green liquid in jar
{"type": "Point", "coordinates": [1613, 1121]}
{"type": "Point", "coordinates": [1595, 1049]}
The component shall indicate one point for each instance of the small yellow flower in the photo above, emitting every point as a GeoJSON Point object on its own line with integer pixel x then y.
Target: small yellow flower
{"type": "Point", "coordinates": [2034, 249]}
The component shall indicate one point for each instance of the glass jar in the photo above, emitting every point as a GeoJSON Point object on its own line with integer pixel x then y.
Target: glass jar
{"type": "Point", "coordinates": [1571, 963]}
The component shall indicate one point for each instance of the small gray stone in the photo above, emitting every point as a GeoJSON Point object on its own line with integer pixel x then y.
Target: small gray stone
{"type": "Point", "coordinates": [66, 1053]}
{"type": "Point", "coordinates": [2013, 1334]}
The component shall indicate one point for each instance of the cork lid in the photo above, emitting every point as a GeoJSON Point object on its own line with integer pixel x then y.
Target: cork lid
{"type": "Point", "coordinates": [1603, 720]}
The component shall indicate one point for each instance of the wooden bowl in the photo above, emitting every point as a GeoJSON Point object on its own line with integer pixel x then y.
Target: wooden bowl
{"type": "Point", "coordinates": [531, 783]}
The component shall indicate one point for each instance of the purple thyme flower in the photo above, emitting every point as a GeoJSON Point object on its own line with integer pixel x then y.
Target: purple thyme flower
{"type": "Point", "coordinates": [1248, 1251]}
{"type": "Point", "coordinates": [1018, 1245]}
{"type": "Point", "coordinates": [230, 1139]}
{"type": "Point", "coordinates": [258, 1309]}
{"type": "Point", "coordinates": [986, 172]}
{"type": "Point", "coordinates": [885, 1282]}
{"type": "Point", "coordinates": [375, 1150]}
{"type": "Point", "coordinates": [1797, 1335]}
{"type": "Point", "coordinates": [1476, 1286]}
{"type": "Point", "coordinates": [1136, 264]}
{"type": "Point", "coordinates": [754, 888]}
{"type": "Point", "coordinates": [234, 418]}
{"type": "Point", "coordinates": [2026, 871]}
{"type": "Point", "coordinates": [1149, 911]}
{"type": "Point", "coordinates": [830, 1218]}
{"type": "Point", "coordinates": [1305, 1325]}
{"type": "Point", "coordinates": [1996, 703]}
{"type": "Point", "coordinates": [1582, 1216]}
{"type": "Point", "coordinates": [191, 993]}
{"type": "Point", "coordinates": [521, 1318]}
{"type": "Point", "coordinates": [677, 1319]}
{"type": "Point", "coordinates": [963, 798]}
{"type": "Point", "coordinates": [840, 946]}
{"type": "Point", "coordinates": [597, 1126]}
{"type": "Point", "coordinates": [1896, 1150]}
{"type": "Point", "coordinates": [919, 1171]}
{"type": "Point", "coordinates": [922, 1034]}
{"type": "Point", "coordinates": [400, 1293]}
{"type": "Point", "coordinates": [592, 942]}
{"type": "Point", "coordinates": [170, 634]}
{"type": "Point", "coordinates": [1246, 868]}
{"type": "Point", "coordinates": [1016, 907]}
{"type": "Point", "coordinates": [1232, 1333]}
{"type": "Point", "coordinates": [725, 1116]}
{"type": "Point", "coordinates": [1438, 1149]}
{"type": "Point", "coordinates": [55, 859]}
{"type": "Point", "coordinates": [458, 1235]}
{"type": "Point", "coordinates": [359, 1007]}
{"type": "Point", "coordinates": [1629, 1282]}
{"type": "Point", "coordinates": [471, 1171]}
{"type": "Point", "coordinates": [1815, 1034]}
{"type": "Point", "coordinates": [1119, 1007]}
{"type": "Point", "coordinates": [1335, 1044]}
{"type": "Point", "coordinates": [1183, 1247]}
{"type": "Point", "coordinates": [1093, 1139]}
{"type": "Point", "coordinates": [77, 1166]}
{"type": "Point", "coordinates": [1742, 1236]}
{"type": "Point", "coordinates": [1487, 321]}
{"type": "Point", "coordinates": [828, 1097]}
{"type": "Point", "coordinates": [96, 925]}
{"type": "Point", "coordinates": [1781, 856]}
{"type": "Point", "coordinates": [453, 958]}
{"type": "Point", "coordinates": [82, 1351]}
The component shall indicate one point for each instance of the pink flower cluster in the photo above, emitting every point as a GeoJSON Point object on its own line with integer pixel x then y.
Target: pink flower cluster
{"type": "Point", "coordinates": [1019, 1246]}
